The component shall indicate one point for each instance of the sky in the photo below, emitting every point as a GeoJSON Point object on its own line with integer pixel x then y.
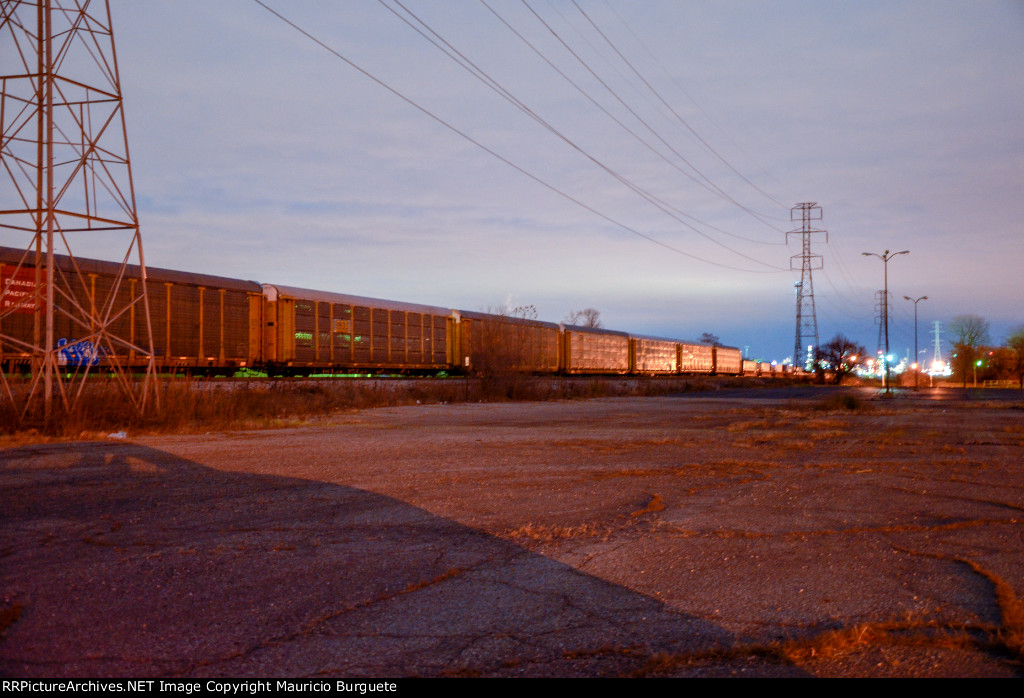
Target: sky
{"type": "Point", "coordinates": [649, 173]}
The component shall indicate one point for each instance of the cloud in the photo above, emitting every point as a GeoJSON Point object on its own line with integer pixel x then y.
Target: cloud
{"type": "Point", "coordinates": [281, 163]}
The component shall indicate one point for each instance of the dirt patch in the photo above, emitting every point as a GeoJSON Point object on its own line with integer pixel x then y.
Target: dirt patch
{"type": "Point", "coordinates": [669, 536]}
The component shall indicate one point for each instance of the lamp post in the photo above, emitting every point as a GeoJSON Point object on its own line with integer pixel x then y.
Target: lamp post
{"type": "Point", "coordinates": [885, 257]}
{"type": "Point", "coordinates": [917, 363]}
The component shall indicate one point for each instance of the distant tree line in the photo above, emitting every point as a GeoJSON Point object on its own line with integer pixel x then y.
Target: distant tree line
{"type": "Point", "coordinates": [588, 317]}
{"type": "Point", "coordinates": [975, 357]}
{"type": "Point", "coordinates": [839, 356]}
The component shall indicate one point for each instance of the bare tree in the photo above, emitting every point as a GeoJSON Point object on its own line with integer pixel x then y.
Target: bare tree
{"type": "Point", "coordinates": [971, 332]}
{"type": "Point", "coordinates": [588, 317]}
{"type": "Point", "coordinates": [710, 339]}
{"type": "Point", "coordinates": [1015, 342]}
{"type": "Point", "coordinates": [839, 355]}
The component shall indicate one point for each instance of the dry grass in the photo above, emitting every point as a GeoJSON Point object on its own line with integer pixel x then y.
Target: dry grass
{"type": "Point", "coordinates": [1010, 634]}
{"type": "Point", "coordinates": [548, 534]}
{"type": "Point", "coordinates": [841, 403]}
{"type": "Point", "coordinates": [202, 405]}
{"type": "Point", "coordinates": [9, 616]}
{"type": "Point", "coordinates": [655, 504]}
{"type": "Point", "coordinates": [188, 405]}
{"type": "Point", "coordinates": [832, 644]}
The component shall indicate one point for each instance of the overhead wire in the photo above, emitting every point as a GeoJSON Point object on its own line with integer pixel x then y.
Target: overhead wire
{"type": "Point", "coordinates": [671, 109]}
{"type": "Point", "coordinates": [686, 93]}
{"type": "Point", "coordinates": [841, 303]}
{"type": "Point", "coordinates": [493, 153]}
{"type": "Point", "coordinates": [709, 185]}
{"type": "Point", "coordinates": [467, 64]}
{"type": "Point", "coordinates": [624, 126]}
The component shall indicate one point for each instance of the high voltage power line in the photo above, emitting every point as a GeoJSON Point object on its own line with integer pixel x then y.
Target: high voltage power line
{"type": "Point", "coordinates": [536, 178]}
{"type": "Point", "coordinates": [626, 128]}
{"type": "Point", "coordinates": [685, 93]}
{"type": "Point", "coordinates": [493, 84]}
{"type": "Point", "coordinates": [674, 112]}
{"type": "Point", "coordinates": [707, 183]}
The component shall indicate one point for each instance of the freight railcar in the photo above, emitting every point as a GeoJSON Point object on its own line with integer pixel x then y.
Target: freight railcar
{"type": "Point", "coordinates": [316, 330]}
{"type": "Point", "coordinates": [491, 343]}
{"type": "Point", "coordinates": [696, 358]}
{"type": "Point", "coordinates": [653, 355]}
{"type": "Point", "coordinates": [211, 324]}
{"type": "Point", "coordinates": [728, 361]}
{"type": "Point", "coordinates": [198, 321]}
{"type": "Point", "coordinates": [592, 350]}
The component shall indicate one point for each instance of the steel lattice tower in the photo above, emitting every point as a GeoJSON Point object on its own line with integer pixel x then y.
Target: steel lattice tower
{"type": "Point", "coordinates": [806, 319]}
{"type": "Point", "coordinates": [937, 358]}
{"type": "Point", "coordinates": [882, 313]}
{"type": "Point", "coordinates": [66, 180]}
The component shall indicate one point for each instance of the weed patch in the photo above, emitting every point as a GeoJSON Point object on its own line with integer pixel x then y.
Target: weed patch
{"type": "Point", "coordinates": [840, 403]}
{"type": "Point", "coordinates": [655, 504]}
{"type": "Point", "coordinates": [9, 616]}
{"type": "Point", "coordinates": [200, 405]}
{"type": "Point", "coordinates": [549, 534]}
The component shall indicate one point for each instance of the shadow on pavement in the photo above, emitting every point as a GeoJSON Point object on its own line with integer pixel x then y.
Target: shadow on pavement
{"type": "Point", "coordinates": [123, 560]}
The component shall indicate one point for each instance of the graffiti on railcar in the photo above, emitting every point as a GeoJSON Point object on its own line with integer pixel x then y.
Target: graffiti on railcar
{"type": "Point", "coordinates": [78, 354]}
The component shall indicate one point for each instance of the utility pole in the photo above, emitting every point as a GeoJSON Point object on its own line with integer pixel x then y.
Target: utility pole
{"type": "Point", "coordinates": [65, 176]}
{"type": "Point", "coordinates": [916, 367]}
{"type": "Point", "coordinates": [885, 257]}
{"type": "Point", "coordinates": [806, 319]}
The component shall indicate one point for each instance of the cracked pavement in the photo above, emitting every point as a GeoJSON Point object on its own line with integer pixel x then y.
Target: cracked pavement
{"type": "Point", "coordinates": [615, 537]}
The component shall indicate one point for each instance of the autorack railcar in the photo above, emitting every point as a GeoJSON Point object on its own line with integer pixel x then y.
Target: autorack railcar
{"type": "Point", "coordinates": [653, 355]}
{"type": "Point", "coordinates": [307, 329]}
{"type": "Point", "coordinates": [212, 324]}
{"type": "Point", "coordinates": [198, 321]}
{"type": "Point", "coordinates": [489, 341]}
{"type": "Point", "coordinates": [728, 361]}
{"type": "Point", "coordinates": [594, 350]}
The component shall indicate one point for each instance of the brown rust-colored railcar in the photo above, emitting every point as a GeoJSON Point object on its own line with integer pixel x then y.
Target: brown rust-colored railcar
{"type": "Point", "coordinates": [728, 361]}
{"type": "Point", "coordinates": [306, 329]}
{"type": "Point", "coordinates": [490, 343]}
{"type": "Point", "coordinates": [653, 355]}
{"type": "Point", "coordinates": [198, 321]}
{"type": "Point", "coordinates": [214, 324]}
{"type": "Point", "coordinates": [590, 350]}
{"type": "Point", "coordinates": [695, 357]}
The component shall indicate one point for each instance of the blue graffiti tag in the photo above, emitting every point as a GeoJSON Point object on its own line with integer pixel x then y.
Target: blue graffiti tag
{"type": "Point", "coordinates": [75, 353]}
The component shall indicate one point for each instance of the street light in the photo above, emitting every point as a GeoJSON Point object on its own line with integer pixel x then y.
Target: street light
{"type": "Point", "coordinates": [885, 257]}
{"type": "Point", "coordinates": [917, 368]}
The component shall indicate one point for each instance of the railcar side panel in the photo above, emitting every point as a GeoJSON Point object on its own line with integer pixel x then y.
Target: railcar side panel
{"type": "Point", "coordinates": [728, 361]}
{"type": "Point", "coordinates": [316, 329]}
{"type": "Point", "coordinates": [196, 320]}
{"type": "Point", "coordinates": [595, 351]}
{"type": "Point", "coordinates": [649, 355]}
{"type": "Point", "coordinates": [696, 358]}
{"type": "Point", "coordinates": [491, 343]}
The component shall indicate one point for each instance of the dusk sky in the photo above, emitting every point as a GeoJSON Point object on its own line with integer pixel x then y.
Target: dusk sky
{"type": "Point", "coordinates": [259, 154]}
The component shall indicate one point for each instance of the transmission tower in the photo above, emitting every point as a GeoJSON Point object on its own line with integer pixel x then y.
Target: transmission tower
{"type": "Point", "coordinates": [881, 311]}
{"type": "Point", "coordinates": [937, 359]}
{"type": "Point", "coordinates": [806, 319]}
{"type": "Point", "coordinates": [65, 177]}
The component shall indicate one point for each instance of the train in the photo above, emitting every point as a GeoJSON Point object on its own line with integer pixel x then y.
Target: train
{"type": "Point", "coordinates": [211, 325]}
